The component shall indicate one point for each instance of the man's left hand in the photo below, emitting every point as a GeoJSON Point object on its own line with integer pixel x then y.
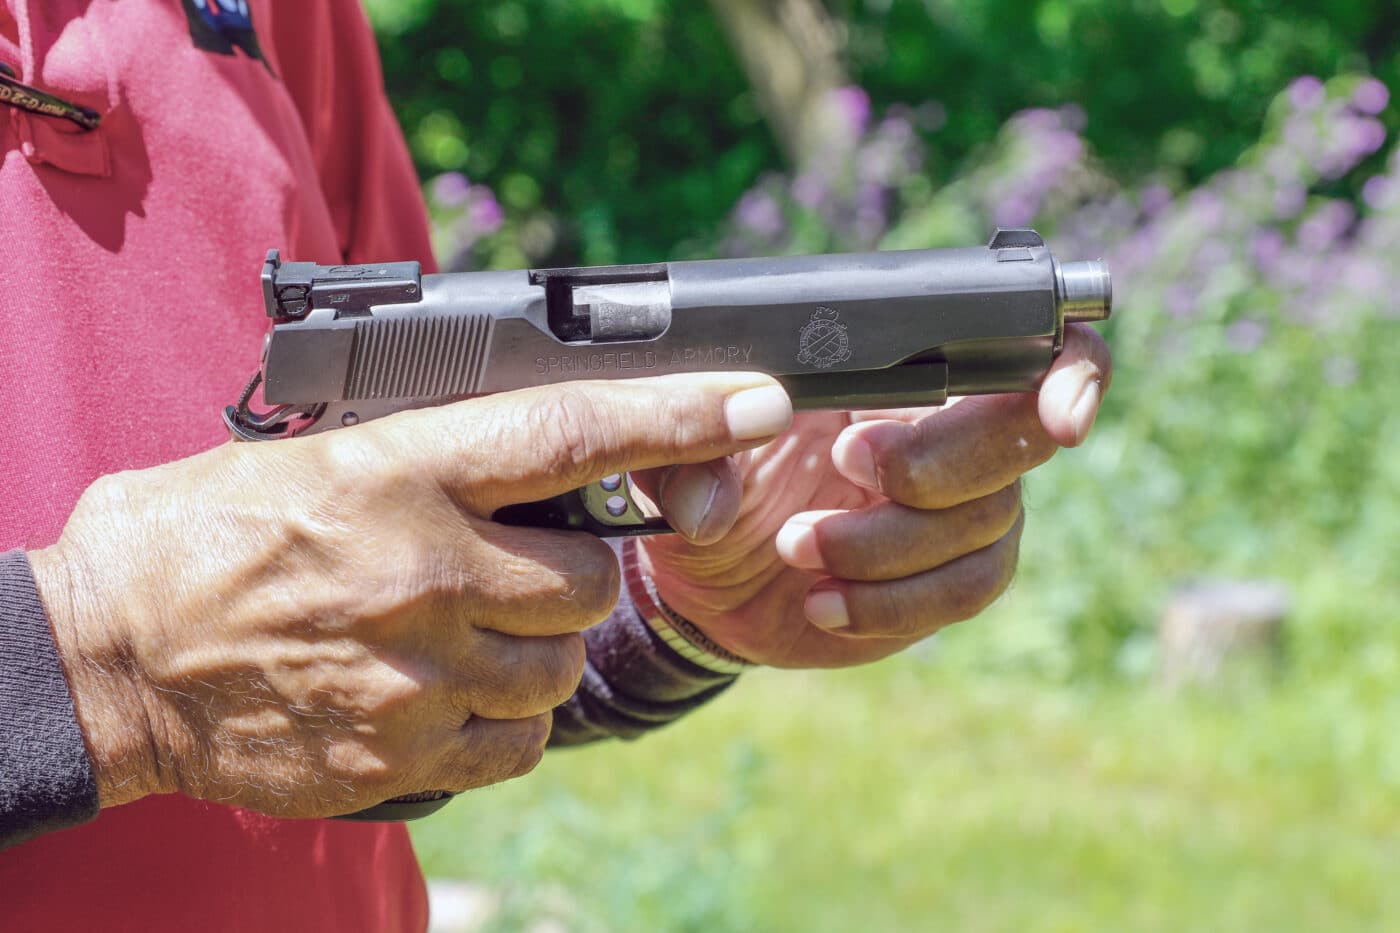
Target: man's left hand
{"type": "Point", "coordinates": [853, 536]}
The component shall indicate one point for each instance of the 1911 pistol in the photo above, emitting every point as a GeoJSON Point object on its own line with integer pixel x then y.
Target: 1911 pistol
{"type": "Point", "coordinates": [853, 331]}
{"type": "Point", "coordinates": [870, 330]}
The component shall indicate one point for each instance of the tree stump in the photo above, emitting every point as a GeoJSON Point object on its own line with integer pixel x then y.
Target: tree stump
{"type": "Point", "coordinates": [1209, 626]}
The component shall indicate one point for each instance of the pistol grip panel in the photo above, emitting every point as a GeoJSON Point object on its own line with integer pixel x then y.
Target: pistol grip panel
{"type": "Point", "coordinates": [402, 809]}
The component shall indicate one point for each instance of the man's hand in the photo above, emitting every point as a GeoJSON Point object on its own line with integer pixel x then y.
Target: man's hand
{"type": "Point", "coordinates": [853, 536]}
{"type": "Point", "coordinates": [314, 626]}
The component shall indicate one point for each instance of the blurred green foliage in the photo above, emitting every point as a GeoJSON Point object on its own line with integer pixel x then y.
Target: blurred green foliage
{"type": "Point", "coordinates": [1178, 85]}
{"type": "Point", "coordinates": [625, 127]}
{"type": "Point", "coordinates": [619, 126]}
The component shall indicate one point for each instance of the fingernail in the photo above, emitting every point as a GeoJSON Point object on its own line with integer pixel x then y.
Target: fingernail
{"type": "Point", "coordinates": [687, 496]}
{"type": "Point", "coordinates": [797, 544]}
{"type": "Point", "coordinates": [827, 609]}
{"type": "Point", "coordinates": [1085, 409]}
{"type": "Point", "coordinates": [762, 412]}
{"type": "Point", "coordinates": [855, 460]}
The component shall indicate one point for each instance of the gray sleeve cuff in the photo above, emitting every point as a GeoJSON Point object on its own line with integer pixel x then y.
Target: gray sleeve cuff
{"type": "Point", "coordinates": [46, 780]}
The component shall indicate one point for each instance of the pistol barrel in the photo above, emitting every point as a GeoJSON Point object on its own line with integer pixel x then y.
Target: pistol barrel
{"type": "Point", "coordinates": [1084, 291]}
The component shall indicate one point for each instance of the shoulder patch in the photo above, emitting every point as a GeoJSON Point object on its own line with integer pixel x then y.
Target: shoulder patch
{"type": "Point", "coordinates": [223, 27]}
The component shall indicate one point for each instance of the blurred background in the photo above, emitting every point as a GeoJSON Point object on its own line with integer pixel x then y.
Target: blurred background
{"type": "Point", "coordinates": [1185, 713]}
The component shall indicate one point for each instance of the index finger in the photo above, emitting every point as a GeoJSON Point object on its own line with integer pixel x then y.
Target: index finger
{"type": "Point", "coordinates": [535, 443]}
{"type": "Point", "coordinates": [940, 458]}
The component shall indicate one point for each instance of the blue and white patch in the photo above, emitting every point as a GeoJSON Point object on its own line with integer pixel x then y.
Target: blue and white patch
{"type": "Point", "coordinates": [224, 27]}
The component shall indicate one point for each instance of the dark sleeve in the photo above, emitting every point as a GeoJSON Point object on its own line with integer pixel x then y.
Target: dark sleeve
{"type": "Point", "coordinates": [46, 780]}
{"type": "Point", "coordinates": [633, 682]}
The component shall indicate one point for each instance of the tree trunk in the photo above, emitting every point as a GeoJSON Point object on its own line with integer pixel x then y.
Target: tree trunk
{"type": "Point", "coordinates": [791, 51]}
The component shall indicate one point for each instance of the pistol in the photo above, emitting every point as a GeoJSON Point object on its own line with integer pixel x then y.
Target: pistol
{"type": "Point", "coordinates": [351, 343]}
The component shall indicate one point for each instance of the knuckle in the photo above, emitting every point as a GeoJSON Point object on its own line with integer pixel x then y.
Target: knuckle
{"type": "Point", "coordinates": [913, 471]}
{"type": "Point", "coordinates": [563, 583]}
{"type": "Point", "coordinates": [344, 458]}
{"type": "Point", "coordinates": [1002, 510]}
{"type": "Point", "coordinates": [595, 588]}
{"type": "Point", "coordinates": [462, 770]}
{"type": "Point", "coordinates": [566, 668]}
{"type": "Point", "coordinates": [677, 412]}
{"type": "Point", "coordinates": [1022, 443]}
{"type": "Point", "coordinates": [552, 667]}
{"type": "Point", "coordinates": [886, 613]}
{"type": "Point", "coordinates": [460, 700]}
{"type": "Point", "coordinates": [985, 577]}
{"type": "Point", "coordinates": [534, 738]}
{"type": "Point", "coordinates": [376, 773]}
{"type": "Point", "coordinates": [574, 431]}
{"type": "Point", "coordinates": [1033, 448]}
{"type": "Point", "coordinates": [904, 479]}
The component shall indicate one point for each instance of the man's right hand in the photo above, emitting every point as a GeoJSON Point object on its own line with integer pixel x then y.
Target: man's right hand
{"type": "Point", "coordinates": [314, 626]}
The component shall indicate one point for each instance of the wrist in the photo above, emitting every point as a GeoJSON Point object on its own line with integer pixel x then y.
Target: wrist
{"type": "Point", "coordinates": [103, 682]}
{"type": "Point", "coordinates": [679, 633]}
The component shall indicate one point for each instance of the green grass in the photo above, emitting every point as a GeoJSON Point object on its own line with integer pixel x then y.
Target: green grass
{"type": "Point", "coordinates": [928, 794]}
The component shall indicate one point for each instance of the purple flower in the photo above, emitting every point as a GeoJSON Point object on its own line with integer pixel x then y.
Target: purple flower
{"type": "Point", "coordinates": [1370, 136]}
{"type": "Point", "coordinates": [484, 211]}
{"type": "Point", "coordinates": [1211, 255]}
{"type": "Point", "coordinates": [869, 224]}
{"type": "Point", "coordinates": [450, 189]}
{"type": "Point", "coordinates": [1370, 96]}
{"type": "Point", "coordinates": [759, 213]}
{"type": "Point", "coordinates": [871, 198]}
{"type": "Point", "coordinates": [1041, 119]}
{"type": "Point", "coordinates": [1300, 134]}
{"type": "Point", "coordinates": [1376, 192]}
{"type": "Point", "coordinates": [1289, 200]}
{"type": "Point", "coordinates": [1016, 211]}
{"type": "Point", "coordinates": [896, 125]}
{"type": "Point", "coordinates": [810, 190]}
{"type": "Point", "coordinates": [1325, 226]}
{"type": "Point", "coordinates": [876, 163]}
{"type": "Point", "coordinates": [1266, 249]}
{"type": "Point", "coordinates": [853, 104]}
{"type": "Point", "coordinates": [1366, 276]}
{"type": "Point", "coordinates": [1245, 335]}
{"type": "Point", "coordinates": [1155, 199]}
{"type": "Point", "coordinates": [1180, 301]}
{"type": "Point", "coordinates": [1208, 207]}
{"type": "Point", "coordinates": [1306, 93]}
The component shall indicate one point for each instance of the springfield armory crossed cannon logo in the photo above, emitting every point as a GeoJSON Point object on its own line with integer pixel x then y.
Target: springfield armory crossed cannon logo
{"type": "Point", "coordinates": [824, 340]}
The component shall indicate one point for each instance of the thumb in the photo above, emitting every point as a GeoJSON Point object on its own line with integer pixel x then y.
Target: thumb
{"type": "Point", "coordinates": [700, 500]}
{"type": "Point", "coordinates": [535, 443]}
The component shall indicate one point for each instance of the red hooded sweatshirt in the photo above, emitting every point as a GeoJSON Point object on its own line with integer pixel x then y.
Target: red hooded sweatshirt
{"type": "Point", "coordinates": [130, 312]}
